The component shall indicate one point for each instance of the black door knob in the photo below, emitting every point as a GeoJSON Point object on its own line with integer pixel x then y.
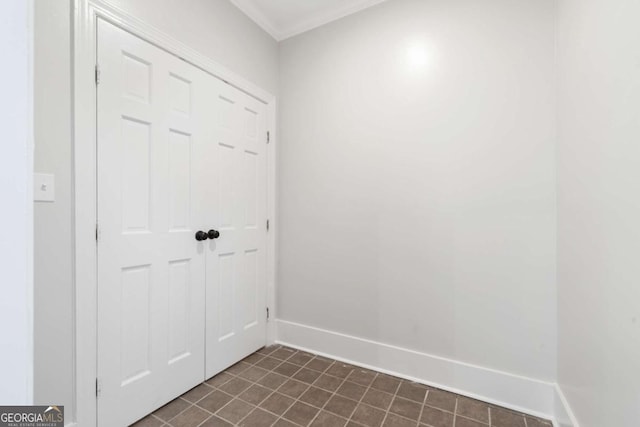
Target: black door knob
{"type": "Point", "coordinates": [201, 235]}
{"type": "Point", "coordinates": [213, 234]}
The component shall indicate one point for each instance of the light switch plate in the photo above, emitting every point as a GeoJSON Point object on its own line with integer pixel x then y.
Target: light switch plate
{"type": "Point", "coordinates": [44, 187]}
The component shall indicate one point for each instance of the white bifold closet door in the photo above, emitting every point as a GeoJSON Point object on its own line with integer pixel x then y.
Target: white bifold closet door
{"type": "Point", "coordinates": [178, 152]}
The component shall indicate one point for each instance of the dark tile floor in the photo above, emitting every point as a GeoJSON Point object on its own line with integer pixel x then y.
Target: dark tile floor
{"type": "Point", "coordinates": [283, 387]}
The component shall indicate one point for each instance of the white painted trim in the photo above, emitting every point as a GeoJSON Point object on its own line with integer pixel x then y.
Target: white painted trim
{"type": "Point", "coordinates": [272, 214]}
{"type": "Point", "coordinates": [317, 20]}
{"type": "Point", "coordinates": [564, 415]}
{"type": "Point", "coordinates": [258, 17]}
{"type": "Point", "coordinates": [30, 158]}
{"type": "Point", "coordinates": [516, 392]}
{"type": "Point", "coordinates": [86, 14]}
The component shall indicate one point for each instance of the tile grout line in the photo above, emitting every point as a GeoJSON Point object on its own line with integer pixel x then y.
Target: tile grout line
{"type": "Point", "coordinates": [490, 421]}
{"type": "Point", "coordinates": [455, 413]}
{"type": "Point", "coordinates": [393, 398]}
{"type": "Point", "coordinates": [424, 402]}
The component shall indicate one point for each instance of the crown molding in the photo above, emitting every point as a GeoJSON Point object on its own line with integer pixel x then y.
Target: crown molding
{"type": "Point", "coordinates": [280, 34]}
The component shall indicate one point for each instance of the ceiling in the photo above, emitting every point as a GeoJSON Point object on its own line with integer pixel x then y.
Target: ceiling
{"type": "Point", "coordinates": [286, 18]}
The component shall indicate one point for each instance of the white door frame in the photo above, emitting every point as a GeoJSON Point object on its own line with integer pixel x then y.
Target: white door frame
{"type": "Point", "coordinates": [86, 14]}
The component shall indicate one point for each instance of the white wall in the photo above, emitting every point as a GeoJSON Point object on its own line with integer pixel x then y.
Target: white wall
{"type": "Point", "coordinates": [417, 202]}
{"type": "Point", "coordinates": [598, 210]}
{"type": "Point", "coordinates": [16, 192]}
{"type": "Point", "coordinates": [54, 292]}
{"type": "Point", "coordinates": [213, 27]}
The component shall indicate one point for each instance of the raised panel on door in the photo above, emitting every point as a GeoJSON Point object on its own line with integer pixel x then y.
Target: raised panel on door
{"type": "Point", "coordinates": [151, 271]}
{"type": "Point", "coordinates": [236, 263]}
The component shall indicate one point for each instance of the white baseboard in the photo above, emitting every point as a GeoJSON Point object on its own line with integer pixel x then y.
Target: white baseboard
{"type": "Point", "coordinates": [564, 415]}
{"type": "Point", "coordinates": [531, 396]}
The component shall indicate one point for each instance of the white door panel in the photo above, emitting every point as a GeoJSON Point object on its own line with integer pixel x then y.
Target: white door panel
{"type": "Point", "coordinates": [151, 271]}
{"type": "Point", "coordinates": [236, 264]}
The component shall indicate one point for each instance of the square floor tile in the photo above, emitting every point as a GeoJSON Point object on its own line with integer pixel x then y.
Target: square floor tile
{"type": "Point", "coordinates": [315, 396]}
{"type": "Point", "coordinates": [258, 418]}
{"type": "Point", "coordinates": [214, 401]}
{"type": "Point", "coordinates": [220, 379]}
{"type": "Point", "coordinates": [172, 409]}
{"type": "Point", "coordinates": [197, 393]}
{"type": "Point", "coordinates": [235, 386]}
{"type": "Point", "coordinates": [283, 353]}
{"type": "Point", "coordinates": [300, 358]}
{"type": "Point", "coordinates": [272, 381]}
{"type": "Point", "coordinates": [341, 406]}
{"type": "Point", "coordinates": [277, 403]}
{"type": "Point", "coordinates": [327, 419]}
{"type": "Point", "coordinates": [328, 382]}
{"type": "Point", "coordinates": [433, 417]}
{"type": "Point", "coordinates": [254, 358]}
{"type": "Point", "coordinates": [378, 399]}
{"type": "Point", "coordinates": [215, 421]}
{"type": "Point", "coordinates": [412, 391]}
{"type": "Point", "coordinates": [268, 363]}
{"type": "Point", "coordinates": [254, 373]}
{"type": "Point", "coordinates": [238, 368]}
{"type": "Point", "coordinates": [351, 390]}
{"type": "Point", "coordinates": [363, 377]}
{"type": "Point", "coordinates": [466, 422]}
{"type": "Point", "coordinates": [301, 413]}
{"type": "Point", "coordinates": [235, 410]}
{"type": "Point", "coordinates": [506, 418]}
{"type": "Point", "coordinates": [368, 416]}
{"type": "Point", "coordinates": [441, 400]}
{"type": "Point", "coordinates": [307, 375]}
{"type": "Point", "coordinates": [473, 409]}
{"type": "Point", "coordinates": [293, 388]}
{"type": "Point", "coordinates": [255, 394]}
{"type": "Point", "coordinates": [287, 369]}
{"type": "Point", "coordinates": [406, 408]}
{"type": "Point", "coordinates": [340, 370]}
{"type": "Point", "coordinates": [319, 364]}
{"type": "Point", "coordinates": [393, 420]}
{"type": "Point", "coordinates": [191, 417]}
{"type": "Point", "coordinates": [386, 383]}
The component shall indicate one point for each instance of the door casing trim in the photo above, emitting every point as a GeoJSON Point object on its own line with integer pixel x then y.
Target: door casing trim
{"type": "Point", "coordinates": [85, 17]}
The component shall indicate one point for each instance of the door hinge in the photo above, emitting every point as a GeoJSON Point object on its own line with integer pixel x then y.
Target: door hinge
{"type": "Point", "coordinates": [98, 387]}
{"type": "Point", "coordinates": [268, 313]}
{"type": "Point", "coordinates": [97, 74]}
{"type": "Point", "coordinates": [268, 225]}
{"type": "Point", "coordinates": [268, 137]}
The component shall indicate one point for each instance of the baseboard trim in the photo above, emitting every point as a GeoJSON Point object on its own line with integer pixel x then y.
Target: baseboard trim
{"type": "Point", "coordinates": [531, 396]}
{"type": "Point", "coordinates": [564, 415]}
